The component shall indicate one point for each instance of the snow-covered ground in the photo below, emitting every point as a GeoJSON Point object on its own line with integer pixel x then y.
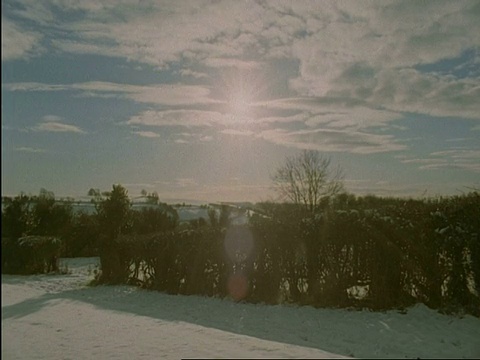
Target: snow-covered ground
{"type": "Point", "coordinates": [59, 317]}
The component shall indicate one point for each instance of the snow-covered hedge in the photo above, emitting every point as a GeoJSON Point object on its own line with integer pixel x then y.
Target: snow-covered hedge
{"type": "Point", "coordinates": [372, 252]}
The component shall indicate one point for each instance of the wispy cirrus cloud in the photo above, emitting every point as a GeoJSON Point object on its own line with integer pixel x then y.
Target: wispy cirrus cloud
{"type": "Point", "coordinates": [192, 138]}
{"type": "Point", "coordinates": [192, 73]}
{"type": "Point", "coordinates": [376, 64]}
{"type": "Point", "coordinates": [323, 131]}
{"type": "Point", "coordinates": [18, 43]}
{"type": "Point", "coordinates": [147, 134]}
{"type": "Point", "coordinates": [27, 149]}
{"type": "Point", "coordinates": [186, 118]}
{"type": "Point", "coordinates": [468, 166]}
{"type": "Point", "coordinates": [53, 123]}
{"type": "Point", "coordinates": [459, 154]}
{"type": "Point", "coordinates": [330, 140]}
{"type": "Point", "coordinates": [164, 94]}
{"type": "Point", "coordinates": [232, 62]}
{"type": "Point", "coordinates": [453, 159]}
{"type": "Point", "coordinates": [58, 127]}
{"type": "Point", "coordinates": [33, 86]}
{"type": "Point", "coordinates": [334, 112]}
{"type": "Point", "coordinates": [410, 90]}
{"type": "Point", "coordinates": [237, 132]}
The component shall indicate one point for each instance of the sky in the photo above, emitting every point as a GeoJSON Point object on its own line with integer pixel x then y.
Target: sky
{"type": "Point", "coordinates": [204, 100]}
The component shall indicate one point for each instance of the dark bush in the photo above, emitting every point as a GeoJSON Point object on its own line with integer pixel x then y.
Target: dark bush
{"type": "Point", "coordinates": [380, 253]}
{"type": "Point", "coordinates": [31, 254]}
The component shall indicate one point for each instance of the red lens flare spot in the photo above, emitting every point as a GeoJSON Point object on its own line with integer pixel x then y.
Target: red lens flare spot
{"type": "Point", "coordinates": [237, 287]}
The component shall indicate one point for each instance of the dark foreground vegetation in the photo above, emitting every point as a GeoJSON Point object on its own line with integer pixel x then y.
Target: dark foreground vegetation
{"type": "Point", "coordinates": [360, 252]}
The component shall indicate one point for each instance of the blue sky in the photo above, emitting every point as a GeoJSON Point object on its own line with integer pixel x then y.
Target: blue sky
{"type": "Point", "coordinates": [203, 100]}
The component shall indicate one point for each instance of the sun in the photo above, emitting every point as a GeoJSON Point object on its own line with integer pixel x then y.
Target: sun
{"type": "Point", "coordinates": [239, 97]}
{"type": "Point", "coordinates": [241, 90]}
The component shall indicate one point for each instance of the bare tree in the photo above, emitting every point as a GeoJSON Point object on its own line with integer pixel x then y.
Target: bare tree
{"type": "Point", "coordinates": [307, 179]}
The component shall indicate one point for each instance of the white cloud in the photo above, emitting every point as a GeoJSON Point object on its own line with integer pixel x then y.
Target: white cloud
{"type": "Point", "coordinates": [33, 86]}
{"type": "Point", "coordinates": [165, 94]}
{"type": "Point", "coordinates": [18, 43]}
{"type": "Point", "coordinates": [333, 140]}
{"type": "Point", "coordinates": [456, 159]}
{"type": "Point", "coordinates": [174, 94]}
{"type": "Point", "coordinates": [297, 118]}
{"type": "Point", "coordinates": [410, 90]}
{"type": "Point", "coordinates": [365, 52]}
{"type": "Point", "coordinates": [29, 149]}
{"type": "Point", "coordinates": [58, 127]}
{"type": "Point", "coordinates": [191, 138]}
{"type": "Point", "coordinates": [232, 62]}
{"type": "Point", "coordinates": [390, 35]}
{"type": "Point", "coordinates": [164, 31]}
{"type": "Point", "coordinates": [471, 167]}
{"type": "Point", "coordinates": [206, 138]}
{"type": "Point", "coordinates": [147, 134]}
{"type": "Point", "coordinates": [335, 113]}
{"type": "Point", "coordinates": [236, 132]}
{"type": "Point", "coordinates": [369, 54]}
{"type": "Point", "coordinates": [195, 74]}
{"type": "Point", "coordinates": [355, 117]}
{"type": "Point", "coordinates": [399, 90]}
{"type": "Point", "coordinates": [425, 161]}
{"type": "Point", "coordinates": [459, 154]}
{"type": "Point", "coordinates": [84, 47]}
{"type": "Point", "coordinates": [188, 118]}
{"type": "Point", "coordinates": [322, 35]}
{"type": "Point", "coordinates": [34, 11]}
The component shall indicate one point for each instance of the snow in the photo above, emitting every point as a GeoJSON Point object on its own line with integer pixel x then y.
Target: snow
{"type": "Point", "coordinates": [60, 317]}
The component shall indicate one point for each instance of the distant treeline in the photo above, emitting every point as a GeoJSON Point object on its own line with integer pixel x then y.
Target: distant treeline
{"type": "Point", "coordinates": [354, 252]}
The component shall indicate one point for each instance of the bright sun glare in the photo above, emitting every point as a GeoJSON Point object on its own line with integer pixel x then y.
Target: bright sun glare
{"type": "Point", "coordinates": [239, 100]}
{"type": "Point", "coordinates": [242, 89]}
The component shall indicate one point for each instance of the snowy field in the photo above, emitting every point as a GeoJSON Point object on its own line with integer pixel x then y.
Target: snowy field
{"type": "Point", "coordinates": [59, 317]}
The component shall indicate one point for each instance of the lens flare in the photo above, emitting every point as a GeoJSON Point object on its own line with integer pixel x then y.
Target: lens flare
{"type": "Point", "coordinates": [237, 286]}
{"type": "Point", "coordinates": [238, 243]}
{"type": "Point", "coordinates": [238, 246]}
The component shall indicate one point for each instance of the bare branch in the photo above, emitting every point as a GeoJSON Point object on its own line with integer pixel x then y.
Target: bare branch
{"type": "Point", "coordinates": [307, 179]}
